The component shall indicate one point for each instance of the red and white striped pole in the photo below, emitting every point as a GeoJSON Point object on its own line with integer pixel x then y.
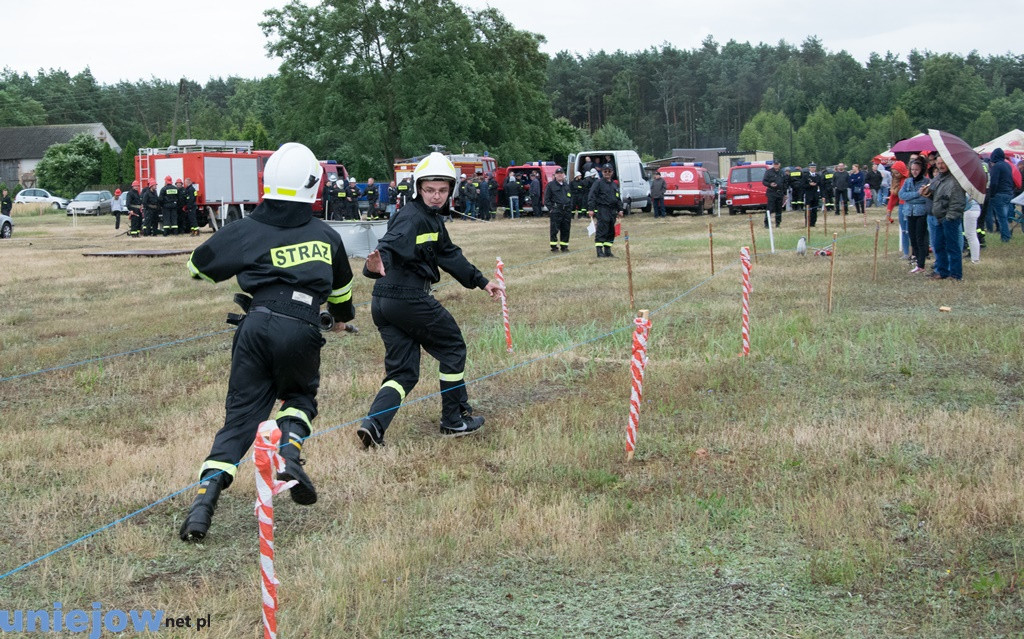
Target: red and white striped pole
{"type": "Point", "coordinates": [267, 460]}
{"type": "Point", "coordinates": [500, 276]}
{"type": "Point", "coordinates": [745, 267]}
{"type": "Point", "coordinates": [637, 368]}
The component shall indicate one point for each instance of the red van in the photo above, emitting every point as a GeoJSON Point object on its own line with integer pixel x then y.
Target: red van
{"type": "Point", "coordinates": [745, 192]}
{"type": "Point", "coordinates": [688, 187]}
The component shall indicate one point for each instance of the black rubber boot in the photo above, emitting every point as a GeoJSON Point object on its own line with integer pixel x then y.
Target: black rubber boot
{"type": "Point", "coordinates": [197, 523]}
{"type": "Point", "coordinates": [303, 493]}
{"type": "Point", "coordinates": [600, 253]}
{"type": "Point", "coordinates": [608, 251]}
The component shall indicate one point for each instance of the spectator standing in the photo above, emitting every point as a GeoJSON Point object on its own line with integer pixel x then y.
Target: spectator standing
{"type": "Point", "coordinates": [483, 196]}
{"type": "Point", "coordinates": [604, 201]}
{"type": "Point", "coordinates": [899, 174]}
{"type": "Point", "coordinates": [883, 193]}
{"type": "Point", "coordinates": [775, 190]}
{"type": "Point", "coordinates": [133, 203]}
{"type": "Point", "coordinates": [558, 199]}
{"type": "Point", "coordinates": [917, 208]}
{"type": "Point", "coordinates": [812, 192]}
{"type": "Point", "coordinates": [372, 193]}
{"type": "Point", "coordinates": [512, 192]}
{"type": "Point", "coordinates": [658, 188]}
{"type": "Point", "coordinates": [841, 184]}
{"type": "Point", "coordinates": [535, 194]}
{"type": "Point", "coordinates": [1000, 192]}
{"type": "Point", "coordinates": [948, 205]}
{"type": "Point", "coordinates": [115, 207]}
{"type": "Point", "coordinates": [856, 181]}
{"type": "Point", "coordinates": [6, 205]}
{"type": "Point", "coordinates": [873, 178]}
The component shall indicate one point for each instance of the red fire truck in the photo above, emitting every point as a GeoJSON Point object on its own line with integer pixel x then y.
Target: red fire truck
{"type": "Point", "coordinates": [228, 175]}
{"type": "Point", "coordinates": [465, 163]}
{"type": "Point", "coordinates": [546, 171]}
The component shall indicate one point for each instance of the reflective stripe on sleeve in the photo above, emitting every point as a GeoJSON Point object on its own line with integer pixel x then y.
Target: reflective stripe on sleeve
{"type": "Point", "coordinates": [340, 295]}
{"type": "Point", "coordinates": [426, 237]}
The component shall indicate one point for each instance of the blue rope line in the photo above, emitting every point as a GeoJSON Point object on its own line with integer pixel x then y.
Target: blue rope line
{"type": "Point", "coordinates": [334, 428]}
{"type": "Point", "coordinates": [106, 357]}
{"type": "Point", "coordinates": [198, 337]}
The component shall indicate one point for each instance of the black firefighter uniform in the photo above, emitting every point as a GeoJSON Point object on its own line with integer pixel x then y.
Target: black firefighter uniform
{"type": "Point", "coordinates": [290, 263]}
{"type": "Point", "coordinates": [413, 250]}
{"type": "Point", "coordinates": [604, 198]}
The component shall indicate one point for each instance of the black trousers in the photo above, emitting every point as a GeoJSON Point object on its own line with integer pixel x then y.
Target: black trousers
{"type": "Point", "coordinates": [135, 221]}
{"type": "Point", "coordinates": [560, 225]}
{"type": "Point", "coordinates": [775, 207]}
{"type": "Point", "coordinates": [151, 221]}
{"type": "Point", "coordinates": [536, 206]}
{"type": "Point", "coordinates": [272, 357]}
{"type": "Point", "coordinates": [483, 208]}
{"type": "Point", "coordinates": [917, 228]}
{"type": "Point", "coordinates": [406, 326]}
{"type": "Point", "coordinates": [170, 221]}
{"type": "Point", "coordinates": [605, 234]}
{"type": "Point", "coordinates": [842, 195]}
{"type": "Point", "coordinates": [812, 208]}
{"type": "Point", "coordinates": [193, 220]}
{"type": "Point", "coordinates": [117, 219]}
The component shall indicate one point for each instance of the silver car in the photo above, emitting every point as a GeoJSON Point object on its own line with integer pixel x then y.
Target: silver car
{"type": "Point", "coordinates": [90, 203]}
{"type": "Point", "coordinates": [6, 226]}
{"type": "Point", "coordinates": [40, 196]}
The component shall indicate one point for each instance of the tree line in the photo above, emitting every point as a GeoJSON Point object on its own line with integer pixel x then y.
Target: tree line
{"type": "Point", "coordinates": [367, 81]}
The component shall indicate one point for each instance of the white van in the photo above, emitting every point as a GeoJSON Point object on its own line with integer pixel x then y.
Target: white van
{"type": "Point", "coordinates": [634, 182]}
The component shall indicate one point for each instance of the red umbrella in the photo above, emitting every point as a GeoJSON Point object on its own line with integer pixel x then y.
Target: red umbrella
{"type": "Point", "coordinates": [963, 162]}
{"type": "Point", "coordinates": [920, 143]}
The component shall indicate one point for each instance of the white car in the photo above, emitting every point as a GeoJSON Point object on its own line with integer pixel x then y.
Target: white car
{"type": "Point", "coordinates": [90, 203]}
{"type": "Point", "coordinates": [40, 196]}
{"type": "Point", "coordinates": [6, 226]}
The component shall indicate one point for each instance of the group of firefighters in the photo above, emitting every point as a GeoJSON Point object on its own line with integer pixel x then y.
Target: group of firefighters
{"type": "Point", "coordinates": [170, 211]}
{"type": "Point", "coordinates": [341, 200]}
{"type": "Point", "coordinates": [810, 189]}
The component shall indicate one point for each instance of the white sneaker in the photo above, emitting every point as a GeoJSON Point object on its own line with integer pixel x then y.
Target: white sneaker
{"type": "Point", "coordinates": [917, 269]}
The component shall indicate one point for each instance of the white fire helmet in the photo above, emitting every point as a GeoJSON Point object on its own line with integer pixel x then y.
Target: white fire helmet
{"type": "Point", "coordinates": [292, 174]}
{"type": "Point", "coordinates": [433, 167]}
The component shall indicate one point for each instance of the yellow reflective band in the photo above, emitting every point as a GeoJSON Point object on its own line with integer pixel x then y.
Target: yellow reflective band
{"type": "Point", "coordinates": [828, 176]}
{"type": "Point", "coordinates": [426, 237]}
{"type": "Point", "coordinates": [196, 272]}
{"type": "Point", "coordinates": [293, 412]}
{"type": "Point", "coordinates": [218, 465]}
{"type": "Point", "coordinates": [453, 377]}
{"type": "Point", "coordinates": [395, 385]}
{"type": "Point", "coordinates": [554, 244]}
{"type": "Point", "coordinates": [202, 491]}
{"type": "Point", "coordinates": [280, 191]}
{"type": "Point", "coordinates": [296, 254]}
{"type": "Point", "coordinates": [340, 295]}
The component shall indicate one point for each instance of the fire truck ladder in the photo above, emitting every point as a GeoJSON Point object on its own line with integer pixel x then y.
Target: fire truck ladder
{"type": "Point", "coordinates": [143, 164]}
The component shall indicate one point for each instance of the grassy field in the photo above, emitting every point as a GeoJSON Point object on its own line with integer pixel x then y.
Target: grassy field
{"type": "Point", "coordinates": [861, 474]}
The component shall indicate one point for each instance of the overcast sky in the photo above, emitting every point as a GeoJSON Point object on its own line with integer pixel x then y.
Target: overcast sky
{"type": "Point", "coordinates": [66, 34]}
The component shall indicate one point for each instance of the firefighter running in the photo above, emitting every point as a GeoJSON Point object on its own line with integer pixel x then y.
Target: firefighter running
{"type": "Point", "coordinates": [405, 264]}
{"type": "Point", "coordinates": [559, 202]}
{"type": "Point", "coordinates": [604, 200]}
{"type": "Point", "coordinates": [290, 263]}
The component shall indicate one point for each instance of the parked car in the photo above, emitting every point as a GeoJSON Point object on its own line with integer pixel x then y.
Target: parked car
{"type": "Point", "coordinates": [91, 203]}
{"type": "Point", "coordinates": [6, 226]}
{"type": "Point", "coordinates": [40, 196]}
{"type": "Point", "coordinates": [745, 191]}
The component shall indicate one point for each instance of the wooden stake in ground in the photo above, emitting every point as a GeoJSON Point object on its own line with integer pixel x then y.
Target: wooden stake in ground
{"type": "Point", "coordinates": [874, 268]}
{"type": "Point", "coordinates": [637, 367]}
{"type": "Point", "coordinates": [844, 219]}
{"type": "Point", "coordinates": [885, 253]}
{"type": "Point", "coordinates": [629, 271]}
{"type": "Point", "coordinates": [832, 270]}
{"type": "Point", "coordinates": [711, 247]}
{"type": "Point", "coordinates": [753, 240]}
{"type": "Point", "coordinates": [824, 218]}
{"type": "Point", "coordinates": [807, 223]}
